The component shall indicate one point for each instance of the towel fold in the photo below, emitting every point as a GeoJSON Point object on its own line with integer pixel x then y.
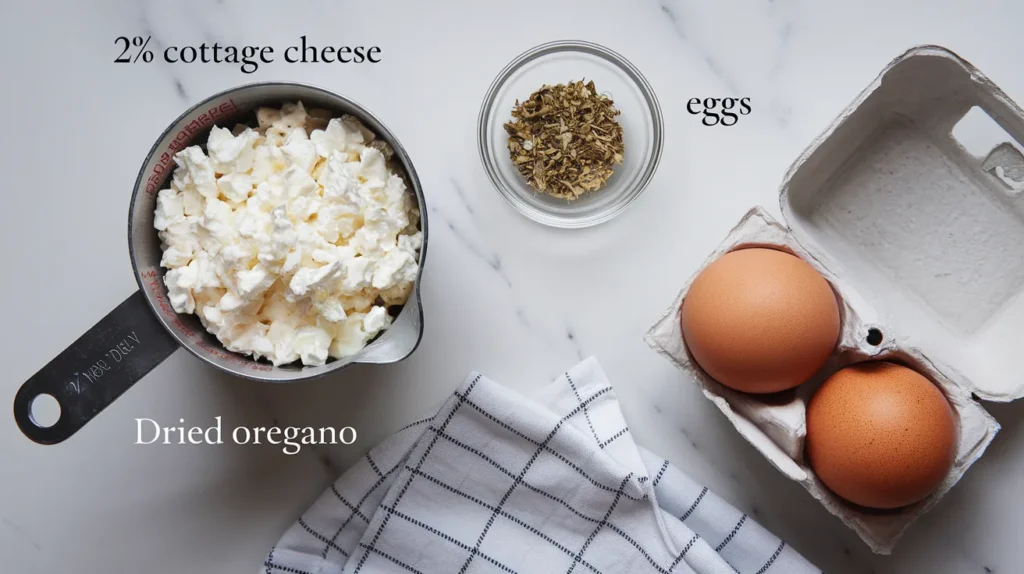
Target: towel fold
{"type": "Point", "coordinates": [495, 482]}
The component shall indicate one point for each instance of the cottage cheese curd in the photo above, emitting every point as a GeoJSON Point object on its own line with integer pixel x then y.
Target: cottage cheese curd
{"type": "Point", "coordinates": [291, 240]}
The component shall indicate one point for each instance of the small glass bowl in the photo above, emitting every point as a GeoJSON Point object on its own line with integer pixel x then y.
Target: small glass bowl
{"type": "Point", "coordinates": [559, 63]}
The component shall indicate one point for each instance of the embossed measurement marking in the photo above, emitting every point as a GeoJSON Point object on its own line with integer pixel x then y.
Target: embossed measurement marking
{"type": "Point", "coordinates": [95, 371]}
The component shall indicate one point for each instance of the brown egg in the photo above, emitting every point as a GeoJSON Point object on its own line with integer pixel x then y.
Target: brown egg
{"type": "Point", "coordinates": [760, 320]}
{"type": "Point", "coordinates": [880, 435]}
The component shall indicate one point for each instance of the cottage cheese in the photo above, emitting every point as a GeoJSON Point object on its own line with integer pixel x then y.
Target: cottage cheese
{"type": "Point", "coordinates": [291, 240]}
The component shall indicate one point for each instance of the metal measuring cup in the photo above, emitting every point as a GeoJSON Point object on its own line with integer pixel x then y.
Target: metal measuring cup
{"type": "Point", "coordinates": [144, 330]}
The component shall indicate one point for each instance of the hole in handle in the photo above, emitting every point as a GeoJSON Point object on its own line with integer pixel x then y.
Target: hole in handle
{"type": "Point", "coordinates": [875, 337]}
{"type": "Point", "coordinates": [44, 411]}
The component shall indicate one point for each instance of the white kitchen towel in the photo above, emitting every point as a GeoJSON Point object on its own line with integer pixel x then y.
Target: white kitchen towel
{"type": "Point", "coordinates": [498, 483]}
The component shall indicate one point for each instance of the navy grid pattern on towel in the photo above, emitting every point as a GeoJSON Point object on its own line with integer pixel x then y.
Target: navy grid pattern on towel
{"type": "Point", "coordinates": [498, 483]}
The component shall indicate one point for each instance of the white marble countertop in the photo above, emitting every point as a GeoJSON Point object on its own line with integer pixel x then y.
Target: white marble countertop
{"type": "Point", "coordinates": [502, 295]}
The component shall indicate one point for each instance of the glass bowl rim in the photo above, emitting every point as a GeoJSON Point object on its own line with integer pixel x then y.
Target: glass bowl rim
{"type": "Point", "coordinates": [489, 161]}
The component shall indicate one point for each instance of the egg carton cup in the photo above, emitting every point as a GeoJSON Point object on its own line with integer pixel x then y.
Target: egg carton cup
{"type": "Point", "coordinates": [776, 424]}
{"type": "Point", "coordinates": [911, 205]}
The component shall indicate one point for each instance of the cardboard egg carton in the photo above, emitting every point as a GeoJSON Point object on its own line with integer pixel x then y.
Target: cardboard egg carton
{"type": "Point", "coordinates": [916, 219]}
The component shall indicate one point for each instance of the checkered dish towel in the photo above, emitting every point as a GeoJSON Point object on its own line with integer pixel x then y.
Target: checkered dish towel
{"type": "Point", "coordinates": [499, 483]}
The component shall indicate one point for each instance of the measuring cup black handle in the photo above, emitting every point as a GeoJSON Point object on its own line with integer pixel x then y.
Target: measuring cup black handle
{"type": "Point", "coordinates": [96, 369]}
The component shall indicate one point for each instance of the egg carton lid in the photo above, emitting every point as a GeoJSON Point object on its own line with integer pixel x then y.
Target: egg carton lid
{"type": "Point", "coordinates": [914, 196]}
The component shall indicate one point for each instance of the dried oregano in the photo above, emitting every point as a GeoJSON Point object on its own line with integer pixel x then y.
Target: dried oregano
{"type": "Point", "coordinates": [565, 139]}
